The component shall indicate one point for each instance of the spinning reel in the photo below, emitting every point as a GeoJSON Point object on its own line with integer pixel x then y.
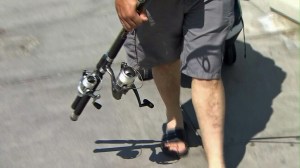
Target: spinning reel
{"type": "Point", "coordinates": [120, 85]}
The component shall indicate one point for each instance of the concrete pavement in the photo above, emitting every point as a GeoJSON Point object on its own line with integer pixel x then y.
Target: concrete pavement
{"type": "Point", "coordinates": [45, 45]}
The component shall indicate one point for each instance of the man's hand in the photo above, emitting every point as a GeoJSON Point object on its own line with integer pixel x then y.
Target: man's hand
{"type": "Point", "coordinates": [128, 15]}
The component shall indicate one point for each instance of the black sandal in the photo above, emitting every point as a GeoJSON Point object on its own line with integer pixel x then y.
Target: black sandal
{"type": "Point", "coordinates": [173, 136]}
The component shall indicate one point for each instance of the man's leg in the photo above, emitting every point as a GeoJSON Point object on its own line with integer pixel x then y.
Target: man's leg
{"type": "Point", "coordinates": [209, 103]}
{"type": "Point", "coordinates": [167, 80]}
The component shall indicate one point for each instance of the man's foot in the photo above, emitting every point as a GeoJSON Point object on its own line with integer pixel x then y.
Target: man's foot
{"type": "Point", "coordinates": [174, 142]}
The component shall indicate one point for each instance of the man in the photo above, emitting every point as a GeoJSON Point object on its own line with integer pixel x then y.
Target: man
{"type": "Point", "coordinates": [187, 36]}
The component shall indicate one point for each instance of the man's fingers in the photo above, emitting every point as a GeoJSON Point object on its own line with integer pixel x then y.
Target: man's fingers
{"type": "Point", "coordinates": [129, 24]}
{"type": "Point", "coordinates": [143, 16]}
{"type": "Point", "coordinates": [133, 22]}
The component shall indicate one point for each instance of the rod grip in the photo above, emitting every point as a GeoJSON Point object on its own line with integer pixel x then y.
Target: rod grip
{"type": "Point", "coordinates": [75, 102]}
{"type": "Point", "coordinates": [79, 108]}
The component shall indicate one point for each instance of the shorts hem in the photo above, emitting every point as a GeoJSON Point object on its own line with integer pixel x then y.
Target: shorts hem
{"type": "Point", "coordinates": [203, 76]}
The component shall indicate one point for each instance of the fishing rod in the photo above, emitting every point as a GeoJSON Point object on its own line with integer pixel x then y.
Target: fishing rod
{"type": "Point", "coordinates": [120, 84]}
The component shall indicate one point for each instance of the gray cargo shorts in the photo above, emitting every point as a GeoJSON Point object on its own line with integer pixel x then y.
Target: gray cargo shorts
{"type": "Point", "coordinates": [192, 30]}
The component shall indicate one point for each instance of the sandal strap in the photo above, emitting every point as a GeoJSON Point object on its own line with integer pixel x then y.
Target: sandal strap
{"type": "Point", "coordinates": [174, 134]}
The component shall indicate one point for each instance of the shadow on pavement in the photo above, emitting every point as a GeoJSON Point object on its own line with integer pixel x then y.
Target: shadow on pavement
{"type": "Point", "coordinates": [135, 149]}
{"type": "Point", "coordinates": [251, 85]}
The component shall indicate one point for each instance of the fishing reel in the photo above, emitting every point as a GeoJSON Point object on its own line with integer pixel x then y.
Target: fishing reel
{"type": "Point", "coordinates": [124, 81]}
{"type": "Point", "coordinates": [86, 86]}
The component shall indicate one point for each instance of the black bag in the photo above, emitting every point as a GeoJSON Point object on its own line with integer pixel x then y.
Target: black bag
{"type": "Point", "coordinates": [238, 25]}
